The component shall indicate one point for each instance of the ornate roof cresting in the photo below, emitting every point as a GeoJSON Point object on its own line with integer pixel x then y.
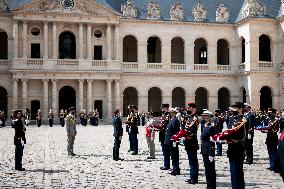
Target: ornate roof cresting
{"type": "Point", "coordinates": [222, 13]}
{"type": "Point", "coordinates": [199, 13]}
{"type": "Point", "coordinates": [3, 5]}
{"type": "Point", "coordinates": [253, 8]}
{"type": "Point", "coordinates": [153, 10]}
{"type": "Point", "coordinates": [128, 9]}
{"type": "Point", "coordinates": [177, 12]}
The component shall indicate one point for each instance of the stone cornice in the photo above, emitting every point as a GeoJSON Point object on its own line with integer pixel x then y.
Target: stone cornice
{"type": "Point", "coordinates": [255, 20]}
{"type": "Point", "coordinates": [260, 74]}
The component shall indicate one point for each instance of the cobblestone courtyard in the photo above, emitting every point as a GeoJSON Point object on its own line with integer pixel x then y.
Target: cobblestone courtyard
{"type": "Point", "coordinates": [48, 166]}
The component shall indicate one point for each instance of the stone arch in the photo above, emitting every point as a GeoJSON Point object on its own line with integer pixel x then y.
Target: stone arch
{"type": "Point", "coordinates": [178, 97]}
{"type": "Point", "coordinates": [223, 52]}
{"type": "Point", "coordinates": [155, 100]}
{"type": "Point", "coordinates": [3, 45]}
{"type": "Point", "coordinates": [130, 49]}
{"type": "Point", "coordinates": [200, 51]}
{"type": "Point", "coordinates": [265, 98]}
{"type": "Point", "coordinates": [67, 97]}
{"type": "Point", "coordinates": [67, 45]}
{"type": "Point", "coordinates": [177, 50]}
{"type": "Point", "coordinates": [264, 48]}
{"type": "Point", "coordinates": [130, 97]}
{"type": "Point", "coordinates": [223, 99]}
{"type": "Point", "coordinates": [201, 99]}
{"type": "Point", "coordinates": [3, 100]}
{"type": "Point", "coordinates": [154, 50]}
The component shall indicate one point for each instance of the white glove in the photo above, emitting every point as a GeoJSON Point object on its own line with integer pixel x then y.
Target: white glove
{"type": "Point", "coordinates": [22, 142]}
{"type": "Point", "coordinates": [120, 138]}
{"type": "Point", "coordinates": [211, 158]}
{"type": "Point", "coordinates": [174, 144]}
{"type": "Point", "coordinates": [249, 136]}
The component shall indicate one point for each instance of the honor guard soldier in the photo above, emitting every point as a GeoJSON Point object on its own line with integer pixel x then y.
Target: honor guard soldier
{"type": "Point", "coordinates": [272, 138]}
{"type": "Point", "coordinates": [50, 118]}
{"type": "Point", "coordinates": [281, 154]}
{"type": "Point", "coordinates": [19, 139]}
{"type": "Point", "coordinates": [164, 120]}
{"type": "Point", "coordinates": [218, 123]}
{"type": "Point", "coordinates": [2, 119]}
{"type": "Point", "coordinates": [128, 125]}
{"type": "Point", "coordinates": [191, 143]}
{"type": "Point", "coordinates": [208, 150]}
{"type": "Point", "coordinates": [118, 133]}
{"type": "Point", "coordinates": [62, 116]}
{"type": "Point", "coordinates": [134, 131]}
{"type": "Point", "coordinates": [71, 130]}
{"type": "Point", "coordinates": [282, 121]}
{"type": "Point", "coordinates": [97, 117]}
{"type": "Point", "coordinates": [173, 127]}
{"type": "Point", "coordinates": [236, 150]}
{"type": "Point", "coordinates": [249, 115]}
{"type": "Point", "coordinates": [39, 118]}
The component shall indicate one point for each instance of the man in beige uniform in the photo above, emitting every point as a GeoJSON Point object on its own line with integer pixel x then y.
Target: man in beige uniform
{"type": "Point", "coordinates": [71, 130]}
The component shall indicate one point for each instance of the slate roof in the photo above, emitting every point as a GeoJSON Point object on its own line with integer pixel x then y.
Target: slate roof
{"type": "Point", "coordinates": [273, 7]}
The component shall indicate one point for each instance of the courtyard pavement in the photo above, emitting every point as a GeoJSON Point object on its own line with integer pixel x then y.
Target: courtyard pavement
{"type": "Point", "coordinates": [48, 166]}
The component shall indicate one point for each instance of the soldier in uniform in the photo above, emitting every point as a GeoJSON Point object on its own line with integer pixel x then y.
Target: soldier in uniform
{"type": "Point", "coordinates": [191, 143]}
{"type": "Point", "coordinates": [118, 133]}
{"type": "Point", "coordinates": [236, 150]}
{"type": "Point", "coordinates": [19, 139]}
{"type": "Point", "coordinates": [173, 127]}
{"type": "Point", "coordinates": [2, 119]}
{"type": "Point", "coordinates": [250, 134]}
{"type": "Point", "coordinates": [134, 131]}
{"type": "Point", "coordinates": [96, 118]}
{"type": "Point", "coordinates": [129, 122]}
{"type": "Point", "coordinates": [272, 138]}
{"type": "Point", "coordinates": [71, 130]}
{"type": "Point", "coordinates": [50, 118]}
{"type": "Point", "coordinates": [218, 123]}
{"type": "Point", "coordinates": [62, 117]}
{"type": "Point", "coordinates": [281, 154]}
{"type": "Point", "coordinates": [208, 150]}
{"type": "Point", "coordinates": [282, 121]}
{"type": "Point", "coordinates": [38, 118]}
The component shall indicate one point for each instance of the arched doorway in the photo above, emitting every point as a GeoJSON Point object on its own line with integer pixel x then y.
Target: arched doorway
{"type": "Point", "coordinates": [201, 99]}
{"type": "Point", "coordinates": [264, 48]}
{"type": "Point", "coordinates": [35, 106]}
{"type": "Point", "coordinates": [223, 99]}
{"type": "Point", "coordinates": [67, 98]}
{"type": "Point", "coordinates": [177, 50]}
{"type": "Point", "coordinates": [178, 97]}
{"type": "Point", "coordinates": [67, 45]}
{"type": "Point", "coordinates": [3, 100]}
{"type": "Point", "coordinates": [223, 52]}
{"type": "Point", "coordinates": [3, 45]}
{"type": "Point", "coordinates": [155, 100]}
{"type": "Point", "coordinates": [200, 51]}
{"type": "Point", "coordinates": [154, 50]}
{"type": "Point", "coordinates": [129, 49]}
{"type": "Point", "coordinates": [130, 97]}
{"type": "Point", "coordinates": [265, 98]}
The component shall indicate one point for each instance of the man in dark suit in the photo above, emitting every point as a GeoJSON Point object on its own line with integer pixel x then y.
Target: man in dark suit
{"type": "Point", "coordinates": [118, 133]}
{"type": "Point", "coordinates": [173, 128]}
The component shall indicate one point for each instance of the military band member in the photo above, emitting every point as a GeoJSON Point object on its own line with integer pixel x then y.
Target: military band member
{"type": "Point", "coordinates": [19, 139]}
{"type": "Point", "coordinates": [191, 143]}
{"type": "Point", "coordinates": [150, 136]}
{"type": "Point", "coordinates": [71, 131]}
{"type": "Point", "coordinates": [118, 133]}
{"type": "Point", "coordinates": [92, 117]}
{"type": "Point", "coordinates": [272, 138]}
{"type": "Point", "coordinates": [249, 115]}
{"type": "Point", "coordinates": [27, 117]}
{"type": "Point", "coordinates": [97, 117]}
{"type": "Point", "coordinates": [39, 118]}
{"type": "Point", "coordinates": [208, 150]}
{"type": "Point", "coordinates": [50, 118]}
{"type": "Point", "coordinates": [173, 127]}
{"type": "Point", "coordinates": [134, 131]}
{"type": "Point", "coordinates": [129, 119]}
{"type": "Point", "coordinates": [282, 121]}
{"type": "Point", "coordinates": [62, 116]}
{"type": "Point", "coordinates": [2, 119]}
{"type": "Point", "coordinates": [218, 123]}
{"type": "Point", "coordinates": [83, 118]}
{"type": "Point", "coordinates": [236, 150]}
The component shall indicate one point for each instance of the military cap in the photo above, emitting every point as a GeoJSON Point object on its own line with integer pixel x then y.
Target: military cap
{"type": "Point", "coordinates": [192, 105]}
{"type": "Point", "coordinates": [238, 105]}
{"type": "Point", "coordinates": [165, 106]}
{"type": "Point", "coordinates": [272, 110]}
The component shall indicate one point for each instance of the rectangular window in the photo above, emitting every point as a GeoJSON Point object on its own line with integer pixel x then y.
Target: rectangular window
{"type": "Point", "coordinates": [35, 50]}
{"type": "Point", "coordinates": [98, 52]}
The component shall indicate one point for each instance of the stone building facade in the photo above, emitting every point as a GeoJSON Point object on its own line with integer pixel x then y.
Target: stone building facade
{"type": "Point", "coordinates": [106, 54]}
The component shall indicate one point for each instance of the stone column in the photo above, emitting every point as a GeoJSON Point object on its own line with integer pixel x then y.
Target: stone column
{"type": "Point", "coordinates": [25, 39]}
{"type": "Point", "coordinates": [108, 42]}
{"type": "Point", "coordinates": [89, 41]}
{"type": "Point", "coordinates": [142, 55]}
{"type": "Point", "coordinates": [189, 54]}
{"type": "Point", "coordinates": [117, 42]}
{"type": "Point", "coordinates": [109, 100]}
{"type": "Point", "coordinates": [16, 39]}
{"type": "Point", "coordinates": [81, 93]}
{"type": "Point", "coordinates": [143, 102]}
{"type": "Point", "coordinates": [54, 97]}
{"type": "Point", "coordinates": [24, 94]}
{"type": "Point", "coordinates": [117, 94]}
{"type": "Point", "coordinates": [212, 56]}
{"type": "Point", "coordinates": [81, 42]}
{"type": "Point", "coordinates": [89, 94]}
{"type": "Point", "coordinates": [213, 103]}
{"type": "Point", "coordinates": [54, 41]}
{"type": "Point", "coordinates": [45, 40]}
{"type": "Point", "coordinates": [15, 94]}
{"type": "Point", "coordinates": [45, 99]}
{"type": "Point", "coordinates": [166, 54]}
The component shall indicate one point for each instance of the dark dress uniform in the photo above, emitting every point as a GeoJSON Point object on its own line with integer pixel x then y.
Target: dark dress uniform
{"type": "Point", "coordinates": [133, 134]}
{"type": "Point", "coordinates": [249, 137]}
{"type": "Point", "coordinates": [50, 119]}
{"type": "Point", "coordinates": [236, 155]}
{"type": "Point", "coordinates": [166, 152]}
{"type": "Point", "coordinates": [62, 118]}
{"type": "Point", "coordinates": [208, 149]}
{"type": "Point", "coordinates": [191, 147]}
{"type": "Point", "coordinates": [281, 123]}
{"type": "Point", "coordinates": [219, 123]}
{"type": "Point", "coordinates": [118, 132]}
{"type": "Point", "coordinates": [281, 154]}
{"type": "Point", "coordinates": [173, 128]}
{"type": "Point", "coordinates": [19, 141]}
